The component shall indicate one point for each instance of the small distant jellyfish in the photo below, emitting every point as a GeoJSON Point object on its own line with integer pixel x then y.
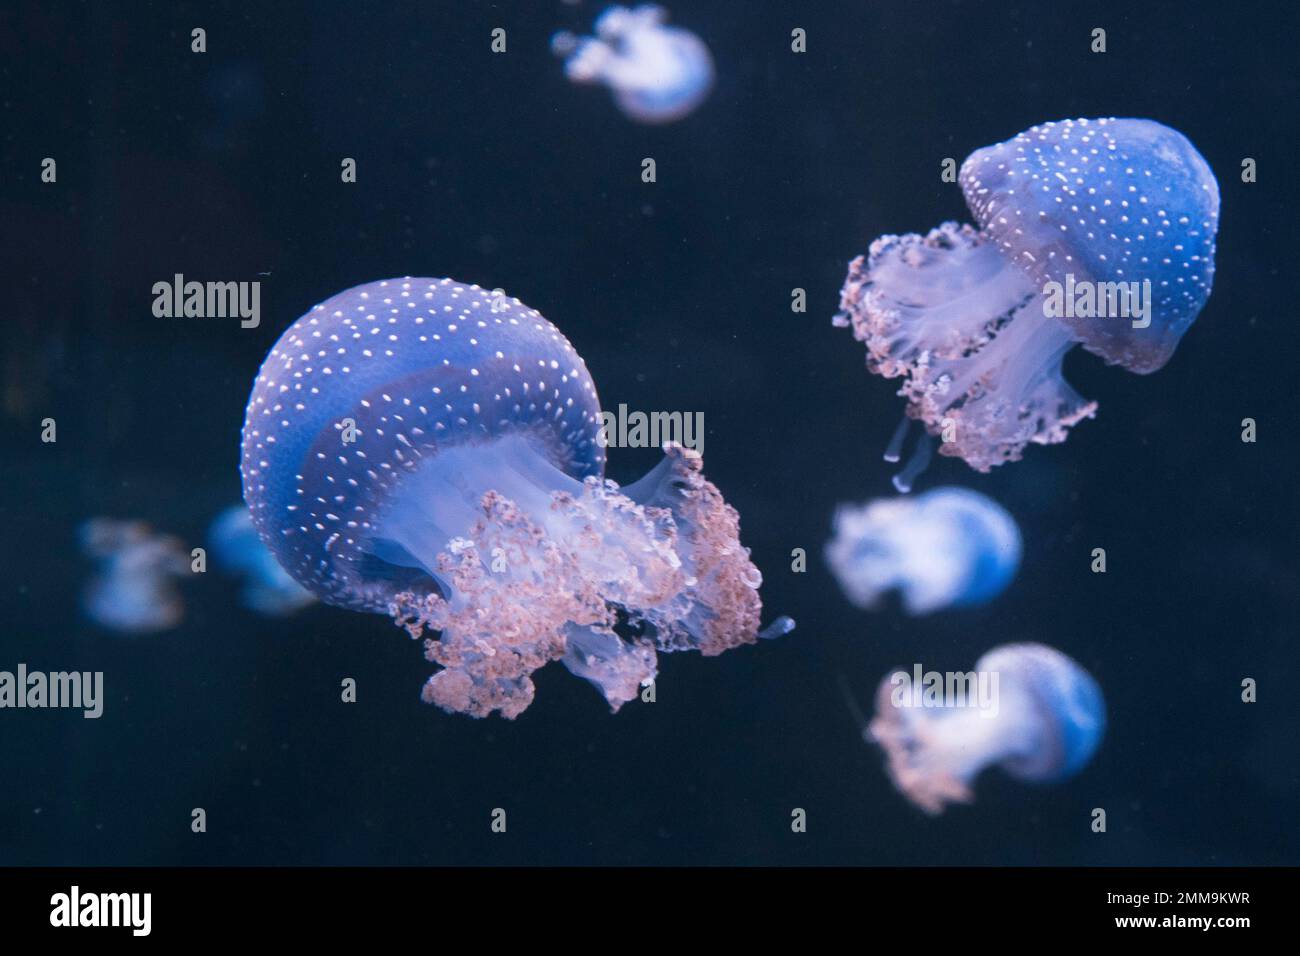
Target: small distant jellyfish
{"type": "Point", "coordinates": [431, 451]}
{"type": "Point", "coordinates": [657, 73]}
{"type": "Point", "coordinates": [1124, 211]}
{"type": "Point", "coordinates": [238, 549]}
{"type": "Point", "coordinates": [1041, 721]}
{"type": "Point", "coordinates": [135, 588]}
{"type": "Point", "coordinates": [949, 547]}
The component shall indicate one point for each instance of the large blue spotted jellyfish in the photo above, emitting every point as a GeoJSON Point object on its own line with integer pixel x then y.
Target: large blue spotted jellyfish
{"type": "Point", "coordinates": [267, 587]}
{"type": "Point", "coordinates": [949, 547]}
{"type": "Point", "coordinates": [429, 450]}
{"type": "Point", "coordinates": [966, 316]}
{"type": "Point", "coordinates": [134, 589]}
{"type": "Point", "coordinates": [658, 73]}
{"type": "Point", "coordinates": [1041, 723]}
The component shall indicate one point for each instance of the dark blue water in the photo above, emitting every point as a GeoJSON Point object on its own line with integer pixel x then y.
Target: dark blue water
{"type": "Point", "coordinates": [496, 170]}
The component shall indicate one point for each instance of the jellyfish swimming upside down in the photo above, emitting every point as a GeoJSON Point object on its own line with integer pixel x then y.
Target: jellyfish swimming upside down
{"type": "Point", "coordinates": [1092, 232]}
{"type": "Point", "coordinates": [658, 73]}
{"type": "Point", "coordinates": [430, 450]}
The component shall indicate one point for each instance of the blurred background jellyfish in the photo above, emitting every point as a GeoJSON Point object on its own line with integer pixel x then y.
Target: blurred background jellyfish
{"type": "Point", "coordinates": [657, 73]}
{"type": "Point", "coordinates": [1123, 210]}
{"type": "Point", "coordinates": [238, 549]}
{"type": "Point", "coordinates": [947, 547]}
{"type": "Point", "coordinates": [134, 590]}
{"type": "Point", "coordinates": [1037, 714]}
{"type": "Point", "coordinates": [429, 450]}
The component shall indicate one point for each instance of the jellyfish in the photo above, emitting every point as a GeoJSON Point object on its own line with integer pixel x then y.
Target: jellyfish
{"type": "Point", "coordinates": [431, 451]}
{"type": "Point", "coordinates": [1027, 708]}
{"type": "Point", "coordinates": [135, 589]}
{"type": "Point", "coordinates": [658, 73]}
{"type": "Point", "coordinates": [1091, 232]}
{"type": "Point", "coordinates": [268, 588]}
{"type": "Point", "coordinates": [949, 547]}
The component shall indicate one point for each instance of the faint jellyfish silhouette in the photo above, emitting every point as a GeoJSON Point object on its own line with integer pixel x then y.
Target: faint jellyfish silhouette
{"type": "Point", "coordinates": [1041, 722]}
{"type": "Point", "coordinates": [1124, 211]}
{"type": "Point", "coordinates": [657, 73]}
{"type": "Point", "coordinates": [268, 588]}
{"type": "Point", "coordinates": [134, 590]}
{"type": "Point", "coordinates": [949, 547]}
{"type": "Point", "coordinates": [430, 450]}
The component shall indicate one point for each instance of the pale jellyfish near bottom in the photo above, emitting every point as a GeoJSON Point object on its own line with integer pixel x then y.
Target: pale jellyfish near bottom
{"type": "Point", "coordinates": [432, 451]}
{"type": "Point", "coordinates": [134, 590]}
{"type": "Point", "coordinates": [974, 320]}
{"type": "Point", "coordinates": [948, 547]}
{"type": "Point", "coordinates": [1047, 719]}
{"type": "Point", "coordinates": [657, 73]}
{"type": "Point", "coordinates": [268, 588]}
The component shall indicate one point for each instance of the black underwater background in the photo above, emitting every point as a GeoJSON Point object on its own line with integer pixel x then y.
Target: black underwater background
{"type": "Point", "coordinates": [496, 170]}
